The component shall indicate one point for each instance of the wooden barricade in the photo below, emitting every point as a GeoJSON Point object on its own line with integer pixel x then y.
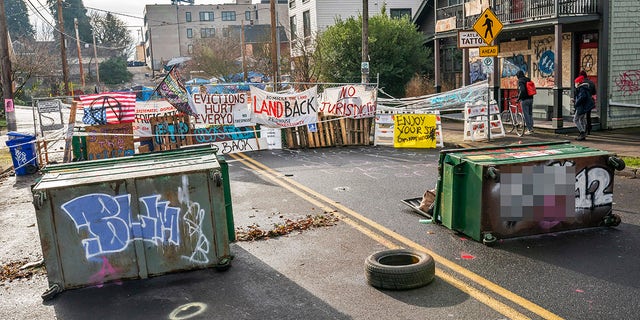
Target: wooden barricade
{"type": "Point", "coordinates": [330, 131]}
{"type": "Point", "coordinates": [171, 132]}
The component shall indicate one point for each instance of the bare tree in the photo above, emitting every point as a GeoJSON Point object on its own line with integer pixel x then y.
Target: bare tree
{"type": "Point", "coordinates": [216, 56]}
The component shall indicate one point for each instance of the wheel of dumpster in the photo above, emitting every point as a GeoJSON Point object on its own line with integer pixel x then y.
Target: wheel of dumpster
{"type": "Point", "coordinates": [489, 240]}
{"type": "Point", "coordinates": [224, 264]}
{"type": "Point", "coordinates": [31, 169]}
{"type": "Point", "coordinates": [612, 220]}
{"type": "Point", "coordinates": [51, 293]}
{"type": "Point", "coordinates": [399, 269]}
{"type": "Point", "coordinates": [616, 163]}
{"type": "Point", "coordinates": [493, 173]}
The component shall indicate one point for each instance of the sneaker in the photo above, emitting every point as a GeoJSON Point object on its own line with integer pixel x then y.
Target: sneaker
{"type": "Point", "coordinates": [582, 136]}
{"type": "Point", "coordinates": [528, 132]}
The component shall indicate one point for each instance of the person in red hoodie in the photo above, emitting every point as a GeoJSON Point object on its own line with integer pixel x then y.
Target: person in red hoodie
{"type": "Point", "coordinates": [583, 104]}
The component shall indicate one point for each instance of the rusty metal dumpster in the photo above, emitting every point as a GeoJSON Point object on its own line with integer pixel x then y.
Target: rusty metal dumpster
{"type": "Point", "coordinates": [133, 217]}
{"type": "Point", "coordinates": [520, 190]}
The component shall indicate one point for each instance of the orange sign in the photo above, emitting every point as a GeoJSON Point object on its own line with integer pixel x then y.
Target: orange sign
{"type": "Point", "coordinates": [489, 51]}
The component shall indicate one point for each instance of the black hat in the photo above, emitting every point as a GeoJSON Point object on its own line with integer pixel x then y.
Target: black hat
{"type": "Point", "coordinates": [520, 74]}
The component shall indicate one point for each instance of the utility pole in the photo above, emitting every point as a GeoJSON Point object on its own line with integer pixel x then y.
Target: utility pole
{"type": "Point", "coordinates": [95, 56]}
{"type": "Point", "coordinates": [244, 59]}
{"type": "Point", "coordinates": [75, 24]}
{"type": "Point", "coordinates": [274, 52]}
{"type": "Point", "coordinates": [365, 42]}
{"type": "Point", "coordinates": [7, 87]}
{"type": "Point", "coordinates": [63, 50]}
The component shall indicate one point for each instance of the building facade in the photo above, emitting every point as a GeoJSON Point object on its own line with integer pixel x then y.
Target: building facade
{"type": "Point", "coordinates": [309, 17]}
{"type": "Point", "coordinates": [171, 30]}
{"type": "Point", "coordinates": [551, 41]}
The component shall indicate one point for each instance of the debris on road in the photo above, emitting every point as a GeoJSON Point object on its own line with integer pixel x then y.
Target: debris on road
{"type": "Point", "coordinates": [254, 232]}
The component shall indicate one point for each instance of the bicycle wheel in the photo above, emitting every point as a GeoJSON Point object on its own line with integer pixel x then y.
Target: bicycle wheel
{"type": "Point", "coordinates": [507, 122]}
{"type": "Point", "coordinates": [519, 124]}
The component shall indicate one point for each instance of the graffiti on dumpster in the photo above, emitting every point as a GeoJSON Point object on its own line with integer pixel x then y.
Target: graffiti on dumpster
{"type": "Point", "coordinates": [106, 271]}
{"type": "Point", "coordinates": [110, 228]}
{"type": "Point", "coordinates": [194, 219]}
{"type": "Point", "coordinates": [593, 188]}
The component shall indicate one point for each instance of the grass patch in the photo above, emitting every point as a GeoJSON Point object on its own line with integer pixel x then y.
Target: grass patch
{"type": "Point", "coordinates": [5, 159]}
{"type": "Point", "coordinates": [632, 162]}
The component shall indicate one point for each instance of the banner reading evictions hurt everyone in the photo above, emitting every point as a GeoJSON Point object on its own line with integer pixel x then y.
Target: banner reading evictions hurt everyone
{"type": "Point", "coordinates": [414, 131]}
{"type": "Point", "coordinates": [354, 101]}
{"type": "Point", "coordinates": [221, 109]}
{"type": "Point", "coordinates": [284, 110]}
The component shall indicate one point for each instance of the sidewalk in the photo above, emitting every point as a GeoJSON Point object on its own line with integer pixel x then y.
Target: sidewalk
{"type": "Point", "coordinates": [622, 142]}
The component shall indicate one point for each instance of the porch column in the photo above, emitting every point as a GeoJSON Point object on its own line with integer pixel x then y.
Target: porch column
{"type": "Point", "coordinates": [465, 67]}
{"type": "Point", "coordinates": [556, 117]}
{"type": "Point", "coordinates": [436, 69]}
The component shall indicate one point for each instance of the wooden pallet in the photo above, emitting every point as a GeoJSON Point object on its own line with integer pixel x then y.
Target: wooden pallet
{"type": "Point", "coordinates": [171, 132]}
{"type": "Point", "coordinates": [330, 131]}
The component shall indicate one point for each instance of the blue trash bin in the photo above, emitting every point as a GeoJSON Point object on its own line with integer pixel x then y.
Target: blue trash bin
{"type": "Point", "coordinates": [23, 152]}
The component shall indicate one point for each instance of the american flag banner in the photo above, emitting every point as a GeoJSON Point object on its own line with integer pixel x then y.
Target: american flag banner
{"type": "Point", "coordinates": [116, 107]}
{"type": "Point", "coordinates": [173, 90]}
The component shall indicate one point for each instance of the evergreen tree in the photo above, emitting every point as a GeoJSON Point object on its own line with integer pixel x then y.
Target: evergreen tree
{"type": "Point", "coordinates": [114, 71]}
{"type": "Point", "coordinates": [18, 20]}
{"type": "Point", "coordinates": [396, 51]}
{"type": "Point", "coordinates": [73, 9]}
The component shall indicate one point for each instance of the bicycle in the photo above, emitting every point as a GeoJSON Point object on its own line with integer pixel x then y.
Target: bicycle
{"type": "Point", "coordinates": [513, 118]}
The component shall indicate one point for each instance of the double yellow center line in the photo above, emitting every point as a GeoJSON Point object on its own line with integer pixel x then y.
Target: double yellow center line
{"type": "Point", "coordinates": [365, 226]}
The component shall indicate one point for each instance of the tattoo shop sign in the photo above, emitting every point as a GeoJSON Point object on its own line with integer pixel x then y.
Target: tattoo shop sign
{"type": "Point", "coordinates": [284, 110]}
{"type": "Point", "coordinates": [354, 101]}
{"type": "Point", "coordinates": [221, 109]}
{"type": "Point", "coordinates": [414, 131]}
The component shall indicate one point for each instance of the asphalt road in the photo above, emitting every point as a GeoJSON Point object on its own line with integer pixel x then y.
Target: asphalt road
{"type": "Point", "coordinates": [583, 274]}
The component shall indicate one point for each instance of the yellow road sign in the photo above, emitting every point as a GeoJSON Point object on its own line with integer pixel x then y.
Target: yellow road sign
{"type": "Point", "coordinates": [489, 51]}
{"type": "Point", "coordinates": [488, 26]}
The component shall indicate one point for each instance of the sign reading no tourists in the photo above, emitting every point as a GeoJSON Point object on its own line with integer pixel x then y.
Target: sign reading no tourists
{"type": "Point", "coordinates": [469, 39]}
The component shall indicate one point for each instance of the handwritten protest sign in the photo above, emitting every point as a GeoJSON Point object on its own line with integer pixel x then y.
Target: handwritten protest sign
{"type": "Point", "coordinates": [109, 141]}
{"type": "Point", "coordinates": [355, 101]}
{"type": "Point", "coordinates": [221, 109]}
{"type": "Point", "coordinates": [284, 110]}
{"type": "Point", "coordinates": [414, 131]}
{"type": "Point", "coordinates": [145, 111]}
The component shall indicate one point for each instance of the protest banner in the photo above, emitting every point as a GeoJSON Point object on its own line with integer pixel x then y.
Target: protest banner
{"type": "Point", "coordinates": [221, 109]}
{"type": "Point", "coordinates": [355, 101]}
{"type": "Point", "coordinates": [145, 111]}
{"type": "Point", "coordinates": [284, 110]}
{"type": "Point", "coordinates": [414, 131]}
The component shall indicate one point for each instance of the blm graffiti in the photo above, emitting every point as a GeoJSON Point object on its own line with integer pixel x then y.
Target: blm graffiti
{"type": "Point", "coordinates": [108, 225]}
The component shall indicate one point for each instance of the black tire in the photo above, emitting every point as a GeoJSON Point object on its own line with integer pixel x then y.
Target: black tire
{"type": "Point", "coordinates": [223, 265]}
{"type": "Point", "coordinates": [507, 123]}
{"type": "Point", "coordinates": [399, 269]}
{"type": "Point", "coordinates": [519, 124]}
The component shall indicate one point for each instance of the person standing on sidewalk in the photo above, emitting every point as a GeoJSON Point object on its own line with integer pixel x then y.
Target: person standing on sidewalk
{"type": "Point", "coordinates": [526, 101]}
{"type": "Point", "coordinates": [583, 104]}
{"type": "Point", "coordinates": [592, 89]}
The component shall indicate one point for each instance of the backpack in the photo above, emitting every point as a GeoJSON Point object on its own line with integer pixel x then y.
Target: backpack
{"type": "Point", "coordinates": [531, 88]}
{"type": "Point", "coordinates": [592, 87]}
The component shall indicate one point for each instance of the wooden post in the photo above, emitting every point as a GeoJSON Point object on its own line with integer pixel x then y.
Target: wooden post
{"type": "Point", "coordinates": [69, 137]}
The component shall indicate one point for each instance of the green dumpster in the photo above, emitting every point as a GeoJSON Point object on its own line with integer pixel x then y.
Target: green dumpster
{"type": "Point", "coordinates": [133, 217]}
{"type": "Point", "coordinates": [520, 190]}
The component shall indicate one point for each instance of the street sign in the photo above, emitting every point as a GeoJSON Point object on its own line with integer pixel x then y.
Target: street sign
{"type": "Point", "coordinates": [488, 26]}
{"type": "Point", "coordinates": [489, 51]}
{"type": "Point", "coordinates": [488, 62]}
{"type": "Point", "coordinates": [469, 39]}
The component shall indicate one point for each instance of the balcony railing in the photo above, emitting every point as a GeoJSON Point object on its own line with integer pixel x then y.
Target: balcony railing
{"type": "Point", "coordinates": [520, 11]}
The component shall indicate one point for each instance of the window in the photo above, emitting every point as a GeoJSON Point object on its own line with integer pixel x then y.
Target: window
{"type": "Point", "coordinates": [206, 16]}
{"type": "Point", "coordinates": [225, 32]}
{"type": "Point", "coordinates": [247, 15]}
{"type": "Point", "coordinates": [400, 13]}
{"type": "Point", "coordinates": [306, 23]}
{"type": "Point", "coordinates": [293, 27]}
{"type": "Point", "coordinates": [207, 32]}
{"type": "Point", "coordinates": [190, 48]}
{"type": "Point", "coordinates": [292, 4]}
{"type": "Point", "coordinates": [228, 16]}
{"type": "Point", "coordinates": [189, 33]}
{"type": "Point", "coordinates": [187, 16]}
